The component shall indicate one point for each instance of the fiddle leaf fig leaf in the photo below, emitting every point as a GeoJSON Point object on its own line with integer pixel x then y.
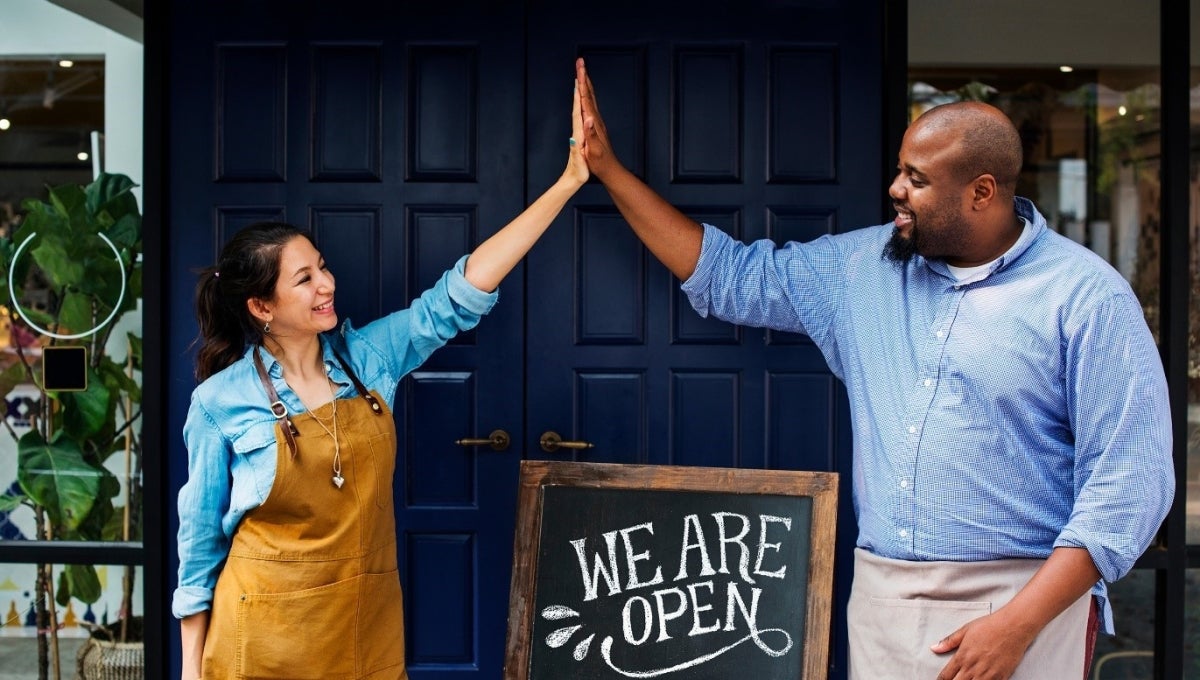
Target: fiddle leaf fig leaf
{"type": "Point", "coordinates": [59, 261]}
{"type": "Point", "coordinates": [70, 201]}
{"type": "Point", "coordinates": [110, 198]}
{"type": "Point", "coordinates": [126, 231]}
{"type": "Point", "coordinates": [8, 502]}
{"type": "Point", "coordinates": [86, 413]}
{"type": "Point", "coordinates": [11, 377]}
{"type": "Point", "coordinates": [75, 314]}
{"type": "Point", "coordinates": [56, 476]}
{"type": "Point", "coordinates": [85, 582]}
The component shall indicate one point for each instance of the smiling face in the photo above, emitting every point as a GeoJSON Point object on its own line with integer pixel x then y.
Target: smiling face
{"type": "Point", "coordinates": [931, 199]}
{"type": "Point", "coordinates": [303, 300]}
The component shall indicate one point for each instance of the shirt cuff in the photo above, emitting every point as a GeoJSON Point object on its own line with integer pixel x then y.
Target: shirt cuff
{"type": "Point", "coordinates": [697, 285]}
{"type": "Point", "coordinates": [467, 296]}
{"type": "Point", "coordinates": [190, 600]}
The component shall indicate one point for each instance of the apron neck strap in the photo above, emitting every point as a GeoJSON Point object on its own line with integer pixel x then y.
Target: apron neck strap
{"type": "Point", "coordinates": [277, 406]}
{"type": "Point", "coordinates": [376, 407]}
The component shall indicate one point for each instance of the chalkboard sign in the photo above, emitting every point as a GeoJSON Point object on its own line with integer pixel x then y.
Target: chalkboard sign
{"type": "Point", "coordinates": [651, 571]}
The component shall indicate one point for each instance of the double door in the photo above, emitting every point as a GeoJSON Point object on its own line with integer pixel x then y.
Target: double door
{"type": "Point", "coordinates": [404, 134]}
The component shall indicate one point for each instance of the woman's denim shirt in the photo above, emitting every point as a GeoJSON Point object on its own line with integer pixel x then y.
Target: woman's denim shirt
{"type": "Point", "coordinates": [230, 430]}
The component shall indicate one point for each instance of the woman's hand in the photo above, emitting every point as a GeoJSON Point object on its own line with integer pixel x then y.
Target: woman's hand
{"type": "Point", "coordinates": [577, 169]}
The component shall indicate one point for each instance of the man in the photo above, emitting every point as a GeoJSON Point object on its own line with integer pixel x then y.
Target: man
{"type": "Point", "coordinates": [1012, 445]}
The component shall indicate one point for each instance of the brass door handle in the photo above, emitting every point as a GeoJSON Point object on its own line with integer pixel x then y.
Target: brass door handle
{"type": "Point", "coordinates": [551, 442]}
{"type": "Point", "coordinates": [498, 440]}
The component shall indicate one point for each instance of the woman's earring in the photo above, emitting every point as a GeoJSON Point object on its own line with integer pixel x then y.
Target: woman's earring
{"type": "Point", "coordinates": [267, 328]}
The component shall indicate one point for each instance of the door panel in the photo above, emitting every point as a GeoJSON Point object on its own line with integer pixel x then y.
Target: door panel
{"type": "Point", "coordinates": [391, 135]}
{"type": "Point", "coordinates": [760, 118]}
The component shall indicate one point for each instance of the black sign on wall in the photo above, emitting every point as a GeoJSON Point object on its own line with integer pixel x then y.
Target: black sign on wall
{"type": "Point", "coordinates": [628, 571]}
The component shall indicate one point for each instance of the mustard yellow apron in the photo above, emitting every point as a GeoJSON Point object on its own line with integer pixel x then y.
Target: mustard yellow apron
{"type": "Point", "coordinates": [311, 588]}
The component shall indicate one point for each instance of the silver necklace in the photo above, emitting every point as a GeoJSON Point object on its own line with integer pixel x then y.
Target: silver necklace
{"type": "Point", "coordinates": [338, 479]}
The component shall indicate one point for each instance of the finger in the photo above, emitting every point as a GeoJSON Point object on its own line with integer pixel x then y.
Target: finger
{"type": "Point", "coordinates": [576, 114]}
{"type": "Point", "coordinates": [948, 643]}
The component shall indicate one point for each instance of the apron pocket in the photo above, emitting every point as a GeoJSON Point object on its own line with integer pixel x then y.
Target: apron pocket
{"type": "Point", "coordinates": [383, 457]}
{"type": "Point", "coordinates": [381, 623]}
{"type": "Point", "coordinates": [906, 629]}
{"type": "Point", "coordinates": [306, 634]}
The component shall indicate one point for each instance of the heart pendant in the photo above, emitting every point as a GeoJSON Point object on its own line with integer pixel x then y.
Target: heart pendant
{"type": "Point", "coordinates": [338, 480]}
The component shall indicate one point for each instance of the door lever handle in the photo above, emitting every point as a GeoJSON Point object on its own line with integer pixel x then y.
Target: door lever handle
{"type": "Point", "coordinates": [552, 442]}
{"type": "Point", "coordinates": [498, 440]}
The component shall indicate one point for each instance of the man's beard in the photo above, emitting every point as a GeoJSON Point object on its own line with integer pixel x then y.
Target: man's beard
{"type": "Point", "coordinates": [900, 249]}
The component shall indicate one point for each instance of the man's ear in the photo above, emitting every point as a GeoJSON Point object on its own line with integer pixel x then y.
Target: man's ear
{"type": "Point", "coordinates": [259, 310]}
{"type": "Point", "coordinates": [983, 190]}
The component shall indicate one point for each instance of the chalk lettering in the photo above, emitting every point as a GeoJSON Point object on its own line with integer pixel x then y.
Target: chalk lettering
{"type": "Point", "coordinates": [764, 520]}
{"type": "Point", "coordinates": [725, 539]}
{"type": "Point", "coordinates": [627, 620]}
{"type": "Point", "coordinates": [591, 585]}
{"type": "Point", "coordinates": [691, 524]}
{"type": "Point", "coordinates": [697, 608]}
{"type": "Point", "coordinates": [632, 559]}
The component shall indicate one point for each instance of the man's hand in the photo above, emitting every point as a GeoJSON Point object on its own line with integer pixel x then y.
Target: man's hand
{"type": "Point", "coordinates": [988, 648]}
{"type": "Point", "coordinates": [596, 149]}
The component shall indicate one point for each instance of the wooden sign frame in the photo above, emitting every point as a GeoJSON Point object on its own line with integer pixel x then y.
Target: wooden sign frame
{"type": "Point", "coordinates": [535, 476]}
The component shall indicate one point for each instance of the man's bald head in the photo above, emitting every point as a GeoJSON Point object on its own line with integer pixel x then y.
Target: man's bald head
{"type": "Point", "coordinates": [987, 141]}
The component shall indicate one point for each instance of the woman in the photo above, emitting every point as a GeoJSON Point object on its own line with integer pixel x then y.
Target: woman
{"type": "Point", "coordinates": [287, 545]}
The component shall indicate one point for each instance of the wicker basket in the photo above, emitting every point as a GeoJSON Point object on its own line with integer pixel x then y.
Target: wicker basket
{"type": "Point", "coordinates": [104, 660]}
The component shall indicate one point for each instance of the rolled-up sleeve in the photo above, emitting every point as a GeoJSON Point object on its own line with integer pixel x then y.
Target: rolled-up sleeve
{"type": "Point", "coordinates": [203, 503]}
{"type": "Point", "coordinates": [449, 307]}
{"type": "Point", "coordinates": [793, 287]}
{"type": "Point", "coordinates": [1124, 479]}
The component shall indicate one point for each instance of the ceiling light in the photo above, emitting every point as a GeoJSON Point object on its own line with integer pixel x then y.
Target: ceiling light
{"type": "Point", "coordinates": [82, 155]}
{"type": "Point", "coordinates": [1121, 110]}
{"type": "Point", "coordinates": [1066, 69]}
{"type": "Point", "coordinates": [5, 123]}
{"type": "Point", "coordinates": [66, 63]}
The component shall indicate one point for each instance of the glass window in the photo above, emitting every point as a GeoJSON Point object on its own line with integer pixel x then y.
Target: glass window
{"type": "Point", "coordinates": [70, 327]}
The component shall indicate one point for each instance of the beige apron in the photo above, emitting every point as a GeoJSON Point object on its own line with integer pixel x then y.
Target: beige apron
{"type": "Point", "coordinates": [310, 588]}
{"type": "Point", "coordinates": [899, 608]}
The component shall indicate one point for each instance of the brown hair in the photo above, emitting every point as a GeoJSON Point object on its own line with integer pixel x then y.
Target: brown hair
{"type": "Point", "coordinates": [247, 268]}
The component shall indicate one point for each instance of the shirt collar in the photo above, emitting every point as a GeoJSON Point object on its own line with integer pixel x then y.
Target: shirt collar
{"type": "Point", "coordinates": [275, 369]}
{"type": "Point", "coordinates": [1034, 227]}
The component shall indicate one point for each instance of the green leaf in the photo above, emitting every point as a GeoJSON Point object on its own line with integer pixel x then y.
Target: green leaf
{"type": "Point", "coordinates": [59, 261]}
{"type": "Point", "coordinates": [9, 503]}
{"type": "Point", "coordinates": [70, 201]}
{"type": "Point", "coordinates": [109, 196]}
{"type": "Point", "coordinates": [56, 476]}
{"type": "Point", "coordinates": [85, 582]}
{"type": "Point", "coordinates": [135, 345]}
{"type": "Point", "coordinates": [62, 594]}
{"type": "Point", "coordinates": [11, 377]}
{"type": "Point", "coordinates": [113, 375]}
{"type": "Point", "coordinates": [86, 413]}
{"type": "Point", "coordinates": [93, 526]}
{"type": "Point", "coordinates": [75, 313]}
{"type": "Point", "coordinates": [126, 231]}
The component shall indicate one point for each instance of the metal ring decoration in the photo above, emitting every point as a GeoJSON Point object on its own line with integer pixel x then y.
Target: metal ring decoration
{"type": "Point", "coordinates": [61, 336]}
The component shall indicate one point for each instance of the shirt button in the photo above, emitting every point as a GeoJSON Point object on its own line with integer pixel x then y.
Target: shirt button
{"type": "Point", "coordinates": [928, 382]}
{"type": "Point", "coordinates": [904, 533]}
{"type": "Point", "coordinates": [940, 334]}
{"type": "Point", "coordinates": [903, 483]}
{"type": "Point", "coordinates": [912, 429]}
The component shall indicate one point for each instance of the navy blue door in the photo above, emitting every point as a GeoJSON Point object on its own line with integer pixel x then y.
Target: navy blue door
{"type": "Point", "coordinates": [397, 137]}
{"type": "Point", "coordinates": [405, 133]}
{"type": "Point", "coordinates": [762, 118]}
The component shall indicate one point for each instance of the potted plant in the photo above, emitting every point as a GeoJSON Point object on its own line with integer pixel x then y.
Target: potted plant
{"type": "Point", "coordinates": [68, 274]}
